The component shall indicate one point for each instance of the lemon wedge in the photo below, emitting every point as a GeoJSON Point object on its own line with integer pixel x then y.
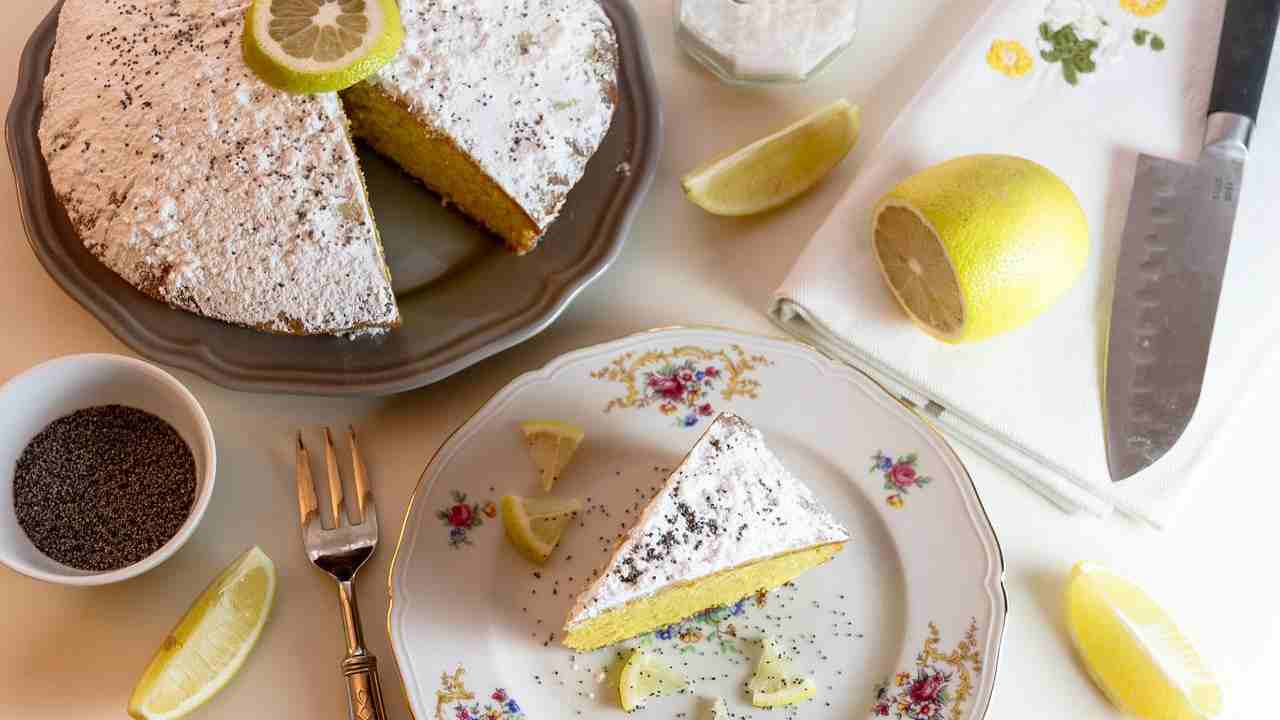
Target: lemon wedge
{"type": "Point", "coordinates": [534, 525]}
{"type": "Point", "coordinates": [1133, 650]}
{"type": "Point", "coordinates": [775, 683]}
{"type": "Point", "coordinates": [210, 643]}
{"type": "Point", "coordinates": [645, 676]}
{"type": "Point", "coordinates": [551, 445]}
{"type": "Point", "coordinates": [318, 46]}
{"type": "Point", "coordinates": [775, 170]}
{"type": "Point", "coordinates": [715, 710]}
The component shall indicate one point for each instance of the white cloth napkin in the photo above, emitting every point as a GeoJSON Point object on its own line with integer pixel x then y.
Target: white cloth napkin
{"type": "Point", "coordinates": [1031, 400]}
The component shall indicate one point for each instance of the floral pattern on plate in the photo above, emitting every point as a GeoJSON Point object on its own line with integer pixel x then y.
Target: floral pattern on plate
{"type": "Point", "coordinates": [461, 517]}
{"type": "Point", "coordinates": [455, 702]}
{"type": "Point", "coordinates": [712, 626]}
{"type": "Point", "coordinates": [940, 685]}
{"type": "Point", "coordinates": [899, 476]}
{"type": "Point", "coordinates": [681, 382]}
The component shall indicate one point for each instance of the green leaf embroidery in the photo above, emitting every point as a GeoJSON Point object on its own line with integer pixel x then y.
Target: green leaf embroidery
{"type": "Point", "coordinates": [1157, 43]}
{"type": "Point", "coordinates": [1140, 36]}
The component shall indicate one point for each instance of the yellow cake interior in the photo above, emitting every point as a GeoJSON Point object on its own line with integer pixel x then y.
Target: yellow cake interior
{"type": "Point", "coordinates": [429, 155]}
{"type": "Point", "coordinates": [683, 600]}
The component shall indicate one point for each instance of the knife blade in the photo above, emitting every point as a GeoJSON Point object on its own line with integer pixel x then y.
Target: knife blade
{"type": "Point", "coordinates": [1173, 255]}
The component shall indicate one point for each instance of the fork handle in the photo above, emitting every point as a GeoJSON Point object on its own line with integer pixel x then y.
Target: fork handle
{"type": "Point", "coordinates": [363, 689]}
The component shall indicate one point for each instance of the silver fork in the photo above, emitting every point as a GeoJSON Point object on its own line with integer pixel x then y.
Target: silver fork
{"type": "Point", "coordinates": [341, 552]}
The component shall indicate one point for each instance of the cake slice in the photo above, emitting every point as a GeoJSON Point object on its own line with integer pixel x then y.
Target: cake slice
{"type": "Point", "coordinates": [497, 105]}
{"type": "Point", "coordinates": [729, 522]}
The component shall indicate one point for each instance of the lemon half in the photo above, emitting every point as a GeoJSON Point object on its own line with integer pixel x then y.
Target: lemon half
{"type": "Point", "coordinates": [318, 46]}
{"type": "Point", "coordinates": [210, 643]}
{"type": "Point", "coordinates": [980, 245]}
{"type": "Point", "coordinates": [1134, 651]}
{"type": "Point", "coordinates": [776, 169]}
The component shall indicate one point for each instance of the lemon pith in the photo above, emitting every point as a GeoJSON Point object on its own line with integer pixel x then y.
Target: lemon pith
{"type": "Point", "coordinates": [776, 169]}
{"type": "Point", "coordinates": [979, 245]}
{"type": "Point", "coordinates": [318, 46]}
{"type": "Point", "coordinates": [208, 646]}
{"type": "Point", "coordinates": [1133, 650]}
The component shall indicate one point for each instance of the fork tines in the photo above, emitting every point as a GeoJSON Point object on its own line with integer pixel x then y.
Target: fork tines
{"type": "Point", "coordinates": [308, 503]}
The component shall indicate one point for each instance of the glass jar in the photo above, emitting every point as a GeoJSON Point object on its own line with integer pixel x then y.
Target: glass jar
{"type": "Point", "coordinates": [765, 41]}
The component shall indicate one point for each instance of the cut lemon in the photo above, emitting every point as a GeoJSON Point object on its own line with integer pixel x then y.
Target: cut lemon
{"type": "Point", "coordinates": [979, 245]}
{"type": "Point", "coordinates": [210, 643]}
{"type": "Point", "coordinates": [318, 46]}
{"type": "Point", "coordinates": [775, 683]}
{"type": "Point", "coordinates": [645, 676]}
{"type": "Point", "coordinates": [1133, 650]}
{"type": "Point", "coordinates": [775, 170]}
{"type": "Point", "coordinates": [551, 445]}
{"type": "Point", "coordinates": [534, 525]}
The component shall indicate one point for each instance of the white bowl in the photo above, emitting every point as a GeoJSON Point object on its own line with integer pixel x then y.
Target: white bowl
{"type": "Point", "coordinates": [59, 387]}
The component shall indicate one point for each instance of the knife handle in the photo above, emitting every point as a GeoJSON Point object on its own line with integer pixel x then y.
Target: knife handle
{"type": "Point", "coordinates": [1248, 31]}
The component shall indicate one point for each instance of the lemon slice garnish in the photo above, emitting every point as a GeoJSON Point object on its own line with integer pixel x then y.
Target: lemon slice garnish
{"type": "Point", "coordinates": [210, 643]}
{"type": "Point", "coordinates": [1133, 650]}
{"type": "Point", "coordinates": [775, 683]}
{"type": "Point", "coordinates": [774, 170]}
{"type": "Point", "coordinates": [534, 525]}
{"type": "Point", "coordinates": [715, 710]}
{"type": "Point", "coordinates": [645, 676]}
{"type": "Point", "coordinates": [551, 445]}
{"type": "Point", "coordinates": [318, 46]}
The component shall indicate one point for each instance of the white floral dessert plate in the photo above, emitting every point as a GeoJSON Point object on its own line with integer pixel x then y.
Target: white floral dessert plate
{"type": "Point", "coordinates": [905, 623]}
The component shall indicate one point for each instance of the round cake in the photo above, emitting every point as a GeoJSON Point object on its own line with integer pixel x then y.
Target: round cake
{"type": "Point", "coordinates": [207, 189]}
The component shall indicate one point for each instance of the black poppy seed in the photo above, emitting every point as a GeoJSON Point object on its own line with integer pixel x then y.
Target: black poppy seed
{"type": "Point", "coordinates": [104, 487]}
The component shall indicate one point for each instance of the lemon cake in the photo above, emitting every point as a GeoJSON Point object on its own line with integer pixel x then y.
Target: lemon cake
{"type": "Point", "coordinates": [201, 185]}
{"type": "Point", "coordinates": [497, 105]}
{"type": "Point", "coordinates": [729, 522]}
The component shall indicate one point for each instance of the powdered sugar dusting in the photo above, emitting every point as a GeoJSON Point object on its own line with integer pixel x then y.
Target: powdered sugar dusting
{"type": "Point", "coordinates": [730, 502]}
{"type": "Point", "coordinates": [526, 87]}
{"type": "Point", "coordinates": [198, 183]}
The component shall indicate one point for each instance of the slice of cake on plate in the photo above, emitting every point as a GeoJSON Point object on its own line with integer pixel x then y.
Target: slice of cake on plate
{"type": "Point", "coordinates": [730, 522]}
{"type": "Point", "coordinates": [497, 105]}
{"type": "Point", "coordinates": [201, 185]}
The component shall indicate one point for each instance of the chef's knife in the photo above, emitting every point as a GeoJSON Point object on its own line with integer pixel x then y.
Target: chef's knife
{"type": "Point", "coordinates": [1173, 255]}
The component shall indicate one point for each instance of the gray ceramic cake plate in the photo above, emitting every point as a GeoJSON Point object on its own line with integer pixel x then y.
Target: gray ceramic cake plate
{"type": "Point", "coordinates": [462, 297]}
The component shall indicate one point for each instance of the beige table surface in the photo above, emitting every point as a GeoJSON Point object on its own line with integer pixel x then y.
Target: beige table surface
{"type": "Point", "coordinates": [69, 653]}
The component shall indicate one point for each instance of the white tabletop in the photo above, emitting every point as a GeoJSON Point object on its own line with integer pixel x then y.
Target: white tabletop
{"type": "Point", "coordinates": [77, 652]}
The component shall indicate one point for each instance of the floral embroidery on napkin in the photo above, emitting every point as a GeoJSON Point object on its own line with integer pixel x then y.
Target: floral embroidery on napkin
{"type": "Point", "coordinates": [1144, 8]}
{"type": "Point", "coordinates": [1010, 57]}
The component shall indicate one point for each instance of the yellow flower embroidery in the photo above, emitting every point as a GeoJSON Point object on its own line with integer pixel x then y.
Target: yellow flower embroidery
{"type": "Point", "coordinates": [1010, 57]}
{"type": "Point", "coordinates": [1144, 8]}
{"type": "Point", "coordinates": [895, 501]}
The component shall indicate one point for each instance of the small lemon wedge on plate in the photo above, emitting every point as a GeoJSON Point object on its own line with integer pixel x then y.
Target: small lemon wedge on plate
{"type": "Point", "coordinates": [534, 525]}
{"type": "Point", "coordinates": [210, 643]}
{"type": "Point", "coordinates": [1133, 650]}
{"type": "Point", "coordinates": [775, 170]}
{"type": "Point", "coordinates": [775, 683]}
{"type": "Point", "coordinates": [645, 676]}
{"type": "Point", "coordinates": [551, 445]}
{"type": "Point", "coordinates": [318, 46]}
